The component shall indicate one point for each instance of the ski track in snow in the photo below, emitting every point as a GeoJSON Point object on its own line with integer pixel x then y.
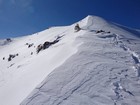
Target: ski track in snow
{"type": "Point", "coordinates": [133, 54]}
{"type": "Point", "coordinates": [119, 42]}
{"type": "Point", "coordinates": [118, 88]}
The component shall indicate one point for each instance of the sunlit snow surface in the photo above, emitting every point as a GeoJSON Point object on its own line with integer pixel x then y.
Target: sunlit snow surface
{"type": "Point", "coordinates": [83, 68]}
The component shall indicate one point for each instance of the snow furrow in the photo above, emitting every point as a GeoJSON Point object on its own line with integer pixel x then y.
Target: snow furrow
{"type": "Point", "coordinates": [134, 56]}
{"type": "Point", "coordinates": [117, 41]}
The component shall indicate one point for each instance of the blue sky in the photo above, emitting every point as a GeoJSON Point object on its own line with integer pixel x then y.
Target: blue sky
{"type": "Point", "coordinates": [24, 17]}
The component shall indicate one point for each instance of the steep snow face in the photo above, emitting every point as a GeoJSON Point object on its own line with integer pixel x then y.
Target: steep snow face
{"type": "Point", "coordinates": [104, 71]}
{"type": "Point", "coordinates": [22, 69]}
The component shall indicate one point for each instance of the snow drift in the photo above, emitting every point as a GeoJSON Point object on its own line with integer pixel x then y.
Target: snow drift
{"type": "Point", "coordinates": [98, 65]}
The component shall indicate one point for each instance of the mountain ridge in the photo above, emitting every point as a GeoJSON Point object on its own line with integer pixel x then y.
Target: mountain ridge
{"type": "Point", "coordinates": [98, 65]}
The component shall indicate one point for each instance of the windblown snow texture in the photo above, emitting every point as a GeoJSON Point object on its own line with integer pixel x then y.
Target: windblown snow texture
{"type": "Point", "coordinates": [98, 65]}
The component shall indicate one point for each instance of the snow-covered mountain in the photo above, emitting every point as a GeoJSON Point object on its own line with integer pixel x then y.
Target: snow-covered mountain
{"type": "Point", "coordinates": [98, 65]}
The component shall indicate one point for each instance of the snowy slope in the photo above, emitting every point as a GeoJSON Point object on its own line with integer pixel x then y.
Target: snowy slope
{"type": "Point", "coordinates": [83, 68]}
{"type": "Point", "coordinates": [23, 73]}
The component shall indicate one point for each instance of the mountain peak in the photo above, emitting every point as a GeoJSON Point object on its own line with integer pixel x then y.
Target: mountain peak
{"type": "Point", "coordinates": [95, 17]}
{"type": "Point", "coordinates": [93, 22]}
{"type": "Point", "coordinates": [97, 65]}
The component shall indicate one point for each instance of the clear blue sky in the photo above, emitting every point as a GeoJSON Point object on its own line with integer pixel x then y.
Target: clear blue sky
{"type": "Point", "coordinates": [23, 17]}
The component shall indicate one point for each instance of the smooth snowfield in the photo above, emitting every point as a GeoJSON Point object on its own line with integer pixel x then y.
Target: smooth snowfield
{"type": "Point", "coordinates": [104, 71]}
{"type": "Point", "coordinates": [23, 73]}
